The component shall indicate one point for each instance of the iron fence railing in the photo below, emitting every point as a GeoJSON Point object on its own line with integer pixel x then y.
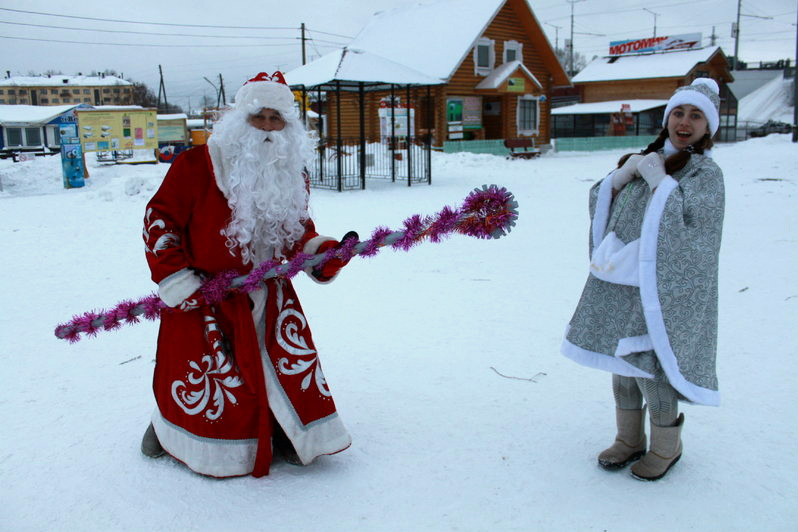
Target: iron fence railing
{"type": "Point", "coordinates": [344, 164]}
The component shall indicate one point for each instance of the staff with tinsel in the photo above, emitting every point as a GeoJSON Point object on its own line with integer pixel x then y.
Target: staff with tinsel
{"type": "Point", "coordinates": [489, 212]}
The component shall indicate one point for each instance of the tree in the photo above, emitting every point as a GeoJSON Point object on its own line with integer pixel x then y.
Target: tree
{"type": "Point", "coordinates": [580, 61]}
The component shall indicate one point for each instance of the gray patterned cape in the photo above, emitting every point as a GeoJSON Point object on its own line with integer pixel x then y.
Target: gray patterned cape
{"type": "Point", "coordinates": [650, 304]}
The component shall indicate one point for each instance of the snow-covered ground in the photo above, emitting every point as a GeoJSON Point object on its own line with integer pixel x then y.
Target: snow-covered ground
{"type": "Point", "coordinates": [444, 363]}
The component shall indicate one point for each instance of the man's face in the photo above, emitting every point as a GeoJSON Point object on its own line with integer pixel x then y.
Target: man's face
{"type": "Point", "coordinates": [267, 120]}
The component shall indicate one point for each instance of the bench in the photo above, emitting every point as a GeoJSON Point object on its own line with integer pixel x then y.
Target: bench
{"type": "Point", "coordinates": [525, 146]}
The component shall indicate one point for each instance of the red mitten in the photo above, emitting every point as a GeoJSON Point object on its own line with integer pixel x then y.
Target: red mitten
{"type": "Point", "coordinates": [334, 265]}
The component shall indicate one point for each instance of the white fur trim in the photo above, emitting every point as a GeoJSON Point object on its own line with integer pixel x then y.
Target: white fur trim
{"type": "Point", "coordinates": [694, 94]}
{"type": "Point", "coordinates": [616, 262]}
{"type": "Point", "coordinates": [177, 287]}
{"type": "Point", "coordinates": [323, 436]}
{"type": "Point", "coordinates": [311, 248]}
{"type": "Point", "coordinates": [256, 95]}
{"type": "Point", "coordinates": [601, 215]}
{"type": "Point", "coordinates": [207, 456]}
{"type": "Point", "coordinates": [615, 364]}
{"type": "Point", "coordinates": [649, 295]}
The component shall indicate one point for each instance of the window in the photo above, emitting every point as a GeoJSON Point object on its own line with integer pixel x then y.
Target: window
{"type": "Point", "coordinates": [45, 100]}
{"type": "Point", "coordinates": [56, 100]}
{"type": "Point", "coordinates": [13, 136]}
{"type": "Point", "coordinates": [484, 56]}
{"type": "Point", "coordinates": [1, 91]}
{"type": "Point", "coordinates": [106, 91]}
{"type": "Point", "coordinates": [2, 100]}
{"type": "Point", "coordinates": [75, 91]}
{"type": "Point", "coordinates": [12, 91]}
{"type": "Point", "coordinates": [86, 91]}
{"type": "Point", "coordinates": [512, 51]}
{"type": "Point", "coordinates": [53, 91]}
{"type": "Point", "coordinates": [33, 136]}
{"type": "Point", "coordinates": [527, 115]}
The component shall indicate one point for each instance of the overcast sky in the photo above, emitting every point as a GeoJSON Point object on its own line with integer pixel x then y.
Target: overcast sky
{"type": "Point", "coordinates": [135, 37]}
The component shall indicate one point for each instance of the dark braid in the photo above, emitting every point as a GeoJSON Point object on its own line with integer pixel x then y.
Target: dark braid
{"type": "Point", "coordinates": [678, 160]}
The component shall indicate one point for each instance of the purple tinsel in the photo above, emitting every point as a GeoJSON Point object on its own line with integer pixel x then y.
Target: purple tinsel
{"type": "Point", "coordinates": [489, 212]}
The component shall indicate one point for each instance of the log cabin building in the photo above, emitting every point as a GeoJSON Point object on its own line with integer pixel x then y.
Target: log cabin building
{"type": "Point", "coordinates": [642, 84]}
{"type": "Point", "coordinates": [494, 67]}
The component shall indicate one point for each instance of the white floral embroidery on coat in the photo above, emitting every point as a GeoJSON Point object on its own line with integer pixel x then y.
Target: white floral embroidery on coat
{"type": "Point", "coordinates": [208, 387]}
{"type": "Point", "coordinates": [290, 328]}
{"type": "Point", "coordinates": [165, 241]}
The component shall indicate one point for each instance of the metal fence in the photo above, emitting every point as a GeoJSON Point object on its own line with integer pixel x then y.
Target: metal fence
{"type": "Point", "coordinates": [344, 164]}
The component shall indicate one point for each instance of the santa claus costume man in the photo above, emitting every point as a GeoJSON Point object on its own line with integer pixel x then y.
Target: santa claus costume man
{"type": "Point", "coordinates": [234, 377]}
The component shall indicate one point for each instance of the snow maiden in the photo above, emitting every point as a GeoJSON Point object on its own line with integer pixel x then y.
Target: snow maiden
{"type": "Point", "coordinates": [648, 312]}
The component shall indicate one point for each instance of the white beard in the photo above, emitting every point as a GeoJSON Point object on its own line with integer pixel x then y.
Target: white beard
{"type": "Point", "coordinates": [262, 179]}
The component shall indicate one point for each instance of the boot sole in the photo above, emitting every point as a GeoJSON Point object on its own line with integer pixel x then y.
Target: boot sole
{"type": "Point", "coordinates": [614, 466]}
{"type": "Point", "coordinates": [651, 479]}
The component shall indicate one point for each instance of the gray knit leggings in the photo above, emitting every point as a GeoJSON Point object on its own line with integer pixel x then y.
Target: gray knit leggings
{"type": "Point", "coordinates": [661, 398]}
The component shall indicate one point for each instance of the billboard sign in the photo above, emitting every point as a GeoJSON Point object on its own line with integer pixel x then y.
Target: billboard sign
{"type": "Point", "coordinates": [117, 129]}
{"type": "Point", "coordinates": [686, 41]}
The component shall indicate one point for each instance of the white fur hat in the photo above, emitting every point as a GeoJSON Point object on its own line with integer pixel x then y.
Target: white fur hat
{"type": "Point", "coordinates": [702, 93]}
{"type": "Point", "coordinates": [265, 91]}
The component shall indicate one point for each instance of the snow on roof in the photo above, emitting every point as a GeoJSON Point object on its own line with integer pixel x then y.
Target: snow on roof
{"type": "Point", "coordinates": [176, 116]}
{"type": "Point", "coordinates": [608, 107]}
{"type": "Point", "coordinates": [500, 75]}
{"type": "Point", "coordinates": [349, 64]}
{"type": "Point", "coordinates": [31, 114]}
{"type": "Point", "coordinates": [644, 66]}
{"type": "Point", "coordinates": [769, 102]}
{"type": "Point", "coordinates": [431, 38]}
{"type": "Point", "coordinates": [59, 80]}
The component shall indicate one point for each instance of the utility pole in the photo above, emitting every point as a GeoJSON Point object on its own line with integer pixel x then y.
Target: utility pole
{"type": "Point", "coordinates": [221, 92]}
{"type": "Point", "coordinates": [713, 37]}
{"type": "Point", "coordinates": [795, 91]}
{"type": "Point", "coordinates": [736, 36]}
{"type": "Point", "coordinates": [655, 20]}
{"type": "Point", "coordinates": [571, 53]}
{"type": "Point", "coordinates": [556, 35]}
{"type": "Point", "coordinates": [162, 90]}
{"type": "Point", "coordinates": [302, 28]}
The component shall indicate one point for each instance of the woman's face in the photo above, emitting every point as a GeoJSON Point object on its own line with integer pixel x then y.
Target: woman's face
{"type": "Point", "coordinates": [267, 120]}
{"type": "Point", "coordinates": [686, 125]}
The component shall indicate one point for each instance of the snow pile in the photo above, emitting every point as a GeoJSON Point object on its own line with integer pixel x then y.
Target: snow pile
{"type": "Point", "coordinates": [444, 362]}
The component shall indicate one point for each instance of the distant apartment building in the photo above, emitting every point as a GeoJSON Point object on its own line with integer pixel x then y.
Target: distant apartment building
{"type": "Point", "coordinates": [65, 90]}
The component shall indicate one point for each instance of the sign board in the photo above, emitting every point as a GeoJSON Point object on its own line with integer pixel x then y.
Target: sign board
{"type": "Point", "coordinates": [516, 85]}
{"type": "Point", "coordinates": [172, 130]}
{"type": "Point", "coordinates": [472, 112]}
{"type": "Point", "coordinates": [399, 115]}
{"type": "Point", "coordinates": [118, 129]}
{"type": "Point", "coordinates": [684, 41]}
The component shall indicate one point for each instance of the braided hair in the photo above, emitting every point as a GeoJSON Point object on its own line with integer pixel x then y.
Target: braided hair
{"type": "Point", "coordinates": [678, 160]}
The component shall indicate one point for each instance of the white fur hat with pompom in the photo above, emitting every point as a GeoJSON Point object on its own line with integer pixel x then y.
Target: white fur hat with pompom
{"type": "Point", "coordinates": [702, 93]}
{"type": "Point", "coordinates": [266, 91]}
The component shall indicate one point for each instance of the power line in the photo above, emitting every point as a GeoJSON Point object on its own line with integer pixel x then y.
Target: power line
{"type": "Point", "coordinates": [152, 45]}
{"type": "Point", "coordinates": [146, 32]}
{"type": "Point", "coordinates": [149, 23]}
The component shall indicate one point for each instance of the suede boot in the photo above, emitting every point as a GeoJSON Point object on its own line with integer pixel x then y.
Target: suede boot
{"type": "Point", "coordinates": [630, 442]}
{"type": "Point", "coordinates": [666, 449]}
{"type": "Point", "coordinates": [150, 446]}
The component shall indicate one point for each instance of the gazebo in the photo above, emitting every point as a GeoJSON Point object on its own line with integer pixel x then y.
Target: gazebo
{"type": "Point", "coordinates": [344, 162]}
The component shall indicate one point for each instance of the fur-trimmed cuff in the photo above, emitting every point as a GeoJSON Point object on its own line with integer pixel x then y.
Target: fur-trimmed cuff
{"type": "Point", "coordinates": [178, 286]}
